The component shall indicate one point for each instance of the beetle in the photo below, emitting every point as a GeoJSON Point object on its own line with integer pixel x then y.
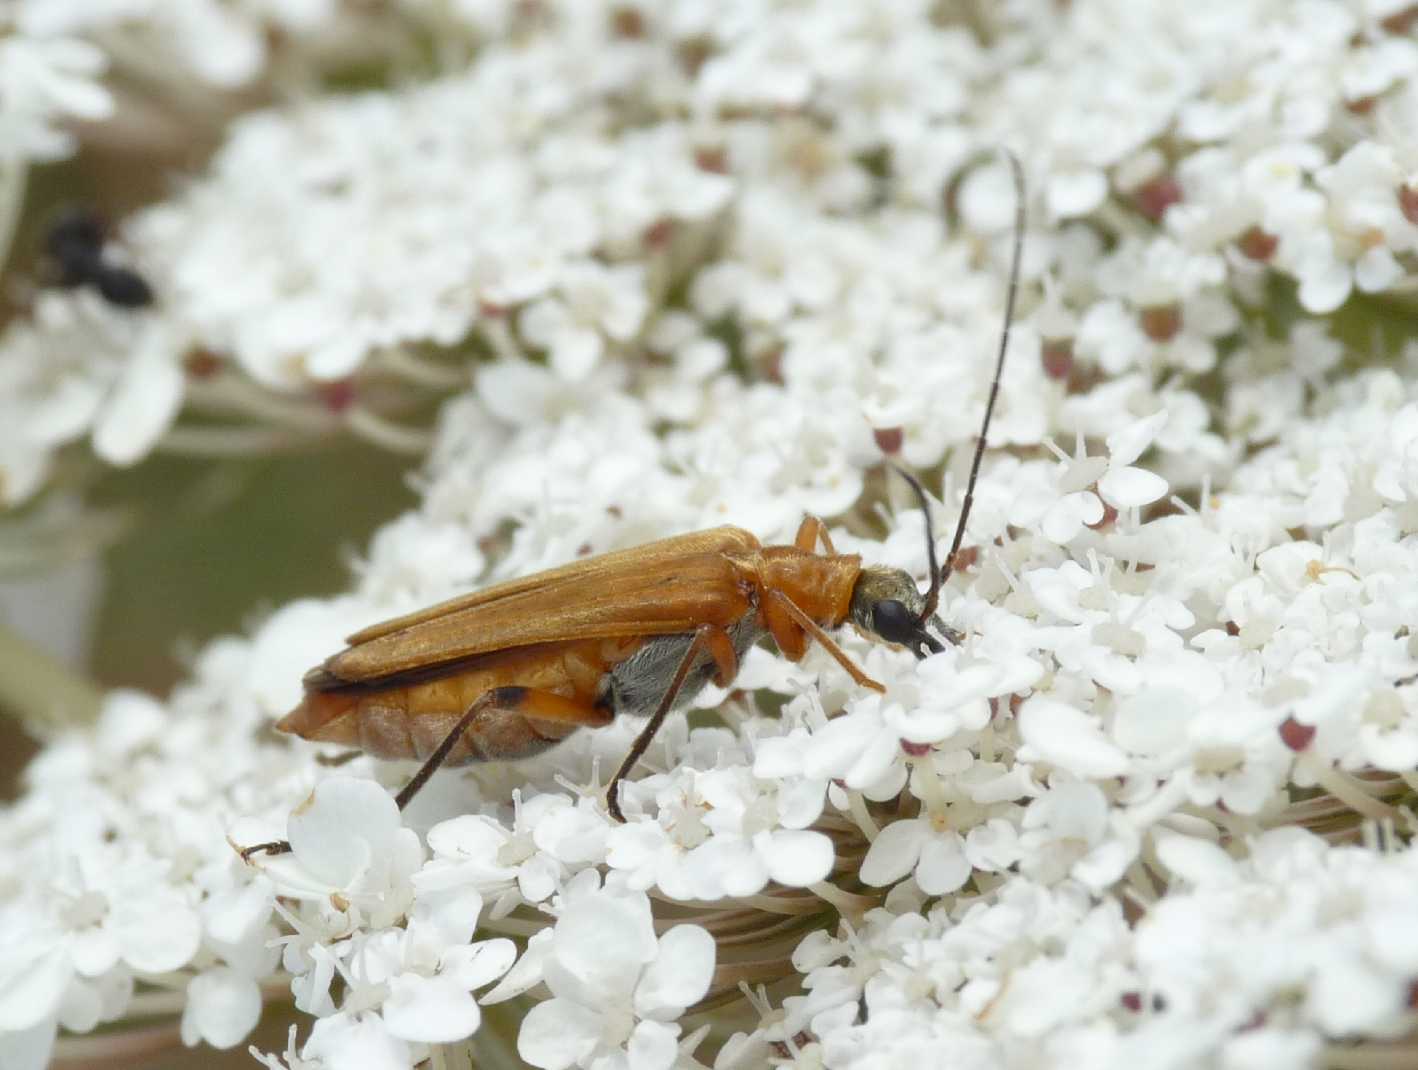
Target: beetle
{"type": "Point", "coordinates": [510, 671]}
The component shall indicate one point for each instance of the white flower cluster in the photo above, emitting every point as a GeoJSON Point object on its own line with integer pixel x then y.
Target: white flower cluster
{"type": "Point", "coordinates": [786, 164]}
{"type": "Point", "coordinates": [211, 43]}
{"type": "Point", "coordinates": [701, 262]}
{"type": "Point", "coordinates": [1245, 963]}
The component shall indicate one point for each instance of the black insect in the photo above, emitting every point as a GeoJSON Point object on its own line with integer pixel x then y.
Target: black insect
{"type": "Point", "coordinates": [75, 244]}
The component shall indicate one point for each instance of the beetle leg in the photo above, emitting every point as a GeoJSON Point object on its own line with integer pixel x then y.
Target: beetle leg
{"type": "Point", "coordinates": [707, 638]}
{"type": "Point", "coordinates": [271, 847]}
{"type": "Point", "coordinates": [789, 626]}
{"type": "Point", "coordinates": [531, 703]}
{"type": "Point", "coordinates": [809, 532]}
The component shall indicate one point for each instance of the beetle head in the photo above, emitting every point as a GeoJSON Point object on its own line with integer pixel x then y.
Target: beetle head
{"type": "Point", "coordinates": [886, 604]}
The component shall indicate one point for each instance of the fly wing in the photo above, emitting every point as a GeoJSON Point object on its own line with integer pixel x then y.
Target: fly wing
{"type": "Point", "coordinates": [663, 588]}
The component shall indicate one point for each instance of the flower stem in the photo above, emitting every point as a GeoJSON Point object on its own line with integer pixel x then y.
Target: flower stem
{"type": "Point", "coordinates": [369, 425]}
{"type": "Point", "coordinates": [853, 906]}
{"type": "Point", "coordinates": [13, 177]}
{"type": "Point", "coordinates": [403, 362]}
{"type": "Point", "coordinates": [125, 1047]}
{"type": "Point", "coordinates": [1343, 787]}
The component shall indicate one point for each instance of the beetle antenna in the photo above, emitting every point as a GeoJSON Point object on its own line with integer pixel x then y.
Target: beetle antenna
{"type": "Point", "coordinates": [938, 578]}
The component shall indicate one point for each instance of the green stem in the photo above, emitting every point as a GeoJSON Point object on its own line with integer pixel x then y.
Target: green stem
{"type": "Point", "coordinates": [13, 173]}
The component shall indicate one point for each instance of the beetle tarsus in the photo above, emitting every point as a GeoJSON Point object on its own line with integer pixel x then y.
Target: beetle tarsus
{"type": "Point", "coordinates": [271, 847]}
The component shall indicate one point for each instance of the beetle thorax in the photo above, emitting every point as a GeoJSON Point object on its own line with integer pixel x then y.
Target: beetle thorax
{"type": "Point", "coordinates": [819, 584]}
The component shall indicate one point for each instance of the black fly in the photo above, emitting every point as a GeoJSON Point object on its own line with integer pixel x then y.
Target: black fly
{"type": "Point", "coordinates": [75, 243]}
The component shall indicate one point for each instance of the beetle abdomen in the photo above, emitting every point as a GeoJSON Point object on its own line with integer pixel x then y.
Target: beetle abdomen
{"type": "Point", "coordinates": [409, 717]}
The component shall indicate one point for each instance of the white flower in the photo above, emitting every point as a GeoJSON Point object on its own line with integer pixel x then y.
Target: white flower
{"type": "Point", "coordinates": [349, 850]}
{"type": "Point", "coordinates": [1061, 735]}
{"type": "Point", "coordinates": [925, 846]}
{"type": "Point", "coordinates": [616, 988]}
{"type": "Point", "coordinates": [671, 267]}
{"type": "Point", "coordinates": [528, 863]}
{"type": "Point", "coordinates": [44, 80]}
{"type": "Point", "coordinates": [223, 1006]}
{"type": "Point", "coordinates": [85, 368]}
{"type": "Point", "coordinates": [593, 303]}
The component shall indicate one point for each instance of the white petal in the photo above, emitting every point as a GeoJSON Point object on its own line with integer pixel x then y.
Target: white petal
{"type": "Point", "coordinates": [467, 836]}
{"type": "Point", "coordinates": [63, 413]}
{"type": "Point", "coordinates": [474, 965]}
{"type": "Point", "coordinates": [943, 866]}
{"type": "Point", "coordinates": [796, 859]}
{"type": "Point", "coordinates": [31, 987]}
{"type": "Point", "coordinates": [341, 828]}
{"type": "Point", "coordinates": [235, 61]}
{"type": "Point", "coordinates": [430, 1010]}
{"type": "Point", "coordinates": [1351, 997]}
{"type": "Point", "coordinates": [157, 935]}
{"type": "Point", "coordinates": [725, 865]}
{"type": "Point", "coordinates": [571, 835]}
{"type": "Point", "coordinates": [235, 915]}
{"type": "Point", "coordinates": [653, 1046]}
{"type": "Point", "coordinates": [1067, 516]}
{"type": "Point", "coordinates": [800, 801]}
{"type": "Point", "coordinates": [780, 756]}
{"type": "Point", "coordinates": [1076, 193]}
{"type": "Point", "coordinates": [442, 919]}
{"type": "Point", "coordinates": [513, 389]}
{"type": "Point", "coordinates": [603, 941]}
{"type": "Point", "coordinates": [129, 720]}
{"type": "Point", "coordinates": [356, 1042]}
{"type": "Point", "coordinates": [894, 853]}
{"type": "Point", "coordinates": [837, 744]}
{"type": "Point", "coordinates": [526, 974]}
{"type": "Point", "coordinates": [312, 988]}
{"type": "Point", "coordinates": [23, 468]}
{"type": "Point", "coordinates": [540, 321]}
{"type": "Point", "coordinates": [1126, 488]}
{"type": "Point", "coordinates": [558, 1034]}
{"type": "Point", "coordinates": [1131, 442]}
{"type": "Point", "coordinates": [1197, 861]}
{"type": "Point", "coordinates": [538, 877]}
{"type": "Point", "coordinates": [143, 406]}
{"type": "Point", "coordinates": [1377, 270]}
{"type": "Point", "coordinates": [29, 1048]}
{"type": "Point", "coordinates": [1154, 720]}
{"type": "Point", "coordinates": [575, 351]}
{"type": "Point", "coordinates": [1069, 738]}
{"type": "Point", "coordinates": [1267, 1048]}
{"type": "Point", "coordinates": [80, 1010]}
{"type": "Point", "coordinates": [852, 748]}
{"type": "Point", "coordinates": [222, 1008]}
{"type": "Point", "coordinates": [1325, 287]}
{"type": "Point", "coordinates": [986, 198]}
{"type": "Point", "coordinates": [680, 974]}
{"type": "Point", "coordinates": [94, 951]}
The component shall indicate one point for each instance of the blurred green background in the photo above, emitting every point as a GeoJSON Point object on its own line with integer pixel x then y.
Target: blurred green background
{"type": "Point", "coordinates": [206, 546]}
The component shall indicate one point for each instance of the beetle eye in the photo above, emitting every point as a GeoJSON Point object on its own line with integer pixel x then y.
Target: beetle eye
{"type": "Point", "coordinates": [893, 621]}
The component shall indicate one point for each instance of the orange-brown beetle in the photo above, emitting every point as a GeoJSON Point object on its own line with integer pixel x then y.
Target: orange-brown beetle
{"type": "Point", "coordinates": [510, 671]}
